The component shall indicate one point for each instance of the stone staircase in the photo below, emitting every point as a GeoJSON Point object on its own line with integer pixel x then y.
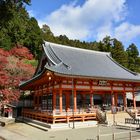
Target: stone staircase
{"type": "Point", "coordinates": [118, 118]}
{"type": "Point", "coordinates": [134, 113]}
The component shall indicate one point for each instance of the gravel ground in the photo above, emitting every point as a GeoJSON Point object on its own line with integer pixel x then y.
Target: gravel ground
{"type": "Point", "coordinates": [21, 131]}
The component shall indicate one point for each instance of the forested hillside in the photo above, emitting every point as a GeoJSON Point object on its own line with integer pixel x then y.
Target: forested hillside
{"type": "Point", "coordinates": [20, 44]}
{"type": "Point", "coordinates": [128, 57]}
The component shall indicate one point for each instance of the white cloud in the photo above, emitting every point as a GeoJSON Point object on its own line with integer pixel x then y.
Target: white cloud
{"type": "Point", "coordinates": [31, 13]}
{"type": "Point", "coordinates": [127, 31]}
{"type": "Point", "coordinates": [93, 19]}
{"type": "Point", "coordinates": [105, 30]}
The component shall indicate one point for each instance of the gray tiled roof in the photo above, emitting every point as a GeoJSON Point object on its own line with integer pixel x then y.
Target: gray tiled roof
{"type": "Point", "coordinates": [80, 62]}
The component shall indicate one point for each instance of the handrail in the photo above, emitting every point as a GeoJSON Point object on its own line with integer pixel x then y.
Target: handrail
{"type": "Point", "coordinates": [132, 121]}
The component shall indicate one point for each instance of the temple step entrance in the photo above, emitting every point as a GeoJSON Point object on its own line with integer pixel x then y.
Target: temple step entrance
{"type": "Point", "coordinates": [118, 118]}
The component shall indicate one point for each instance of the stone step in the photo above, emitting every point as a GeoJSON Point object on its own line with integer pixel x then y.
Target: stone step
{"type": "Point", "coordinates": [33, 123]}
{"type": "Point", "coordinates": [83, 124]}
{"type": "Point", "coordinates": [118, 117]}
{"type": "Point", "coordinates": [7, 121]}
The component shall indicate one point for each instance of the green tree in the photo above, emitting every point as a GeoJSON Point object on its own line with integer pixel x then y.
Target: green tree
{"type": "Point", "coordinates": [118, 53]}
{"type": "Point", "coordinates": [133, 59]}
{"type": "Point", "coordinates": [105, 45]}
{"type": "Point", "coordinates": [5, 40]}
{"type": "Point", "coordinates": [6, 8]}
{"type": "Point", "coordinates": [17, 28]}
{"type": "Point", "coordinates": [132, 51]}
{"type": "Point", "coordinates": [138, 64]}
{"type": "Point", "coordinates": [33, 37]}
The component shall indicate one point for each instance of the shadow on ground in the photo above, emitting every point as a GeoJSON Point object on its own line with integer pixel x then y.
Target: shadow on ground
{"type": "Point", "coordinates": [1, 138]}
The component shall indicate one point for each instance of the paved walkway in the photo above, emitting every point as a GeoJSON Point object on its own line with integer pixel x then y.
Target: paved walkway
{"type": "Point", "coordinates": [21, 131]}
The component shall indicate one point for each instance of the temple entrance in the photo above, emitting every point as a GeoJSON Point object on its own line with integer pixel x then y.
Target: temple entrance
{"type": "Point", "coordinates": [97, 99]}
{"type": "Point", "coordinates": [45, 102]}
{"type": "Point", "coordinates": [120, 100]}
{"type": "Point", "coordinates": [83, 101]}
{"type": "Point", "coordinates": [107, 99]}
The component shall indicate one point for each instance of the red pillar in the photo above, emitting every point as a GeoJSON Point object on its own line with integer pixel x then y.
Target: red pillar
{"type": "Point", "coordinates": [116, 99]}
{"type": "Point", "coordinates": [54, 100]}
{"type": "Point", "coordinates": [75, 98]}
{"type": "Point", "coordinates": [60, 98]}
{"type": "Point", "coordinates": [124, 98]}
{"type": "Point", "coordinates": [91, 99]}
{"type": "Point", "coordinates": [91, 94]}
{"type": "Point", "coordinates": [112, 96]}
{"type": "Point", "coordinates": [113, 100]}
{"type": "Point", "coordinates": [134, 99]}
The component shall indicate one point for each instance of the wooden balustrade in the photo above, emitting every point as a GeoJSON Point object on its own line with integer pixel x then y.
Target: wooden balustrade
{"type": "Point", "coordinates": [62, 117]}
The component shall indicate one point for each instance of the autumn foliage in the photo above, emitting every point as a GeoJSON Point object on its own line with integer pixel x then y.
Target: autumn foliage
{"type": "Point", "coordinates": [21, 52]}
{"type": "Point", "coordinates": [13, 70]}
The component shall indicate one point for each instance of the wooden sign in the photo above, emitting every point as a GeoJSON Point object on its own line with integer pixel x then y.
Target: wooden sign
{"type": "Point", "coordinates": [102, 83]}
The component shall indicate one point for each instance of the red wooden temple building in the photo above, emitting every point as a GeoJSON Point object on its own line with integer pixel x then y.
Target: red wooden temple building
{"type": "Point", "coordinates": [70, 82]}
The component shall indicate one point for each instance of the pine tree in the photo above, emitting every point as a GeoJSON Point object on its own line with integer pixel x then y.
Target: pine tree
{"type": "Point", "coordinates": [133, 59]}
{"type": "Point", "coordinates": [118, 53]}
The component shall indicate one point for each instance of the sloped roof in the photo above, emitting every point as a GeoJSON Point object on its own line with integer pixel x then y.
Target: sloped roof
{"type": "Point", "coordinates": [87, 63]}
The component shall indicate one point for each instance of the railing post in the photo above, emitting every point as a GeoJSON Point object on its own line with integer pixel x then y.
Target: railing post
{"type": "Point", "coordinates": [98, 135]}
{"type": "Point", "coordinates": [113, 135]}
{"type": "Point", "coordinates": [130, 133]}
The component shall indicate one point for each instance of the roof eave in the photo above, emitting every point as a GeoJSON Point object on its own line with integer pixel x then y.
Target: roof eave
{"type": "Point", "coordinates": [21, 85]}
{"type": "Point", "coordinates": [92, 77]}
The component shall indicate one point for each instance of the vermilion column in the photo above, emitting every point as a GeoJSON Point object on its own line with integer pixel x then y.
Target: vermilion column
{"type": "Point", "coordinates": [113, 100]}
{"type": "Point", "coordinates": [60, 98]}
{"type": "Point", "coordinates": [75, 98]}
{"type": "Point", "coordinates": [54, 100]}
{"type": "Point", "coordinates": [134, 99]}
{"type": "Point", "coordinates": [112, 96]}
{"type": "Point", "coordinates": [116, 99]}
{"type": "Point", "coordinates": [124, 97]}
{"type": "Point", "coordinates": [91, 99]}
{"type": "Point", "coordinates": [91, 94]}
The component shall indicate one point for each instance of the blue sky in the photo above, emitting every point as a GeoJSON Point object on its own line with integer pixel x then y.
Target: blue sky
{"type": "Point", "coordinates": [90, 20]}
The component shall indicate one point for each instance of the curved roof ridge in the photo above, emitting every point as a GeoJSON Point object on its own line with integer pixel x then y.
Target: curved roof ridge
{"type": "Point", "coordinates": [80, 49]}
{"type": "Point", "coordinates": [48, 55]}
{"type": "Point", "coordinates": [60, 60]}
{"type": "Point", "coordinates": [51, 54]}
